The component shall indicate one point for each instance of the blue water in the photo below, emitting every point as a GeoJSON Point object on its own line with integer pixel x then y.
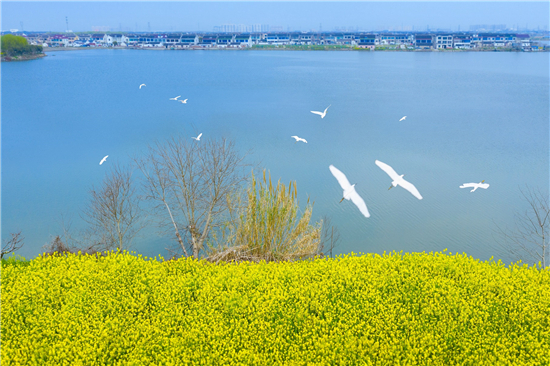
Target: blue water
{"type": "Point", "coordinates": [470, 117]}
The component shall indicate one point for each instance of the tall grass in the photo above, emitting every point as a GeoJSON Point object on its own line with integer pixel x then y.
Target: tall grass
{"type": "Point", "coordinates": [270, 226]}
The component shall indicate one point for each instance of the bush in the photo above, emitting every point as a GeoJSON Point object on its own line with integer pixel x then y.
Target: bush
{"type": "Point", "coordinates": [268, 227]}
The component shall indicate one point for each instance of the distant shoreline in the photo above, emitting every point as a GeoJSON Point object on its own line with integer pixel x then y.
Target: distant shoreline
{"type": "Point", "coordinates": [281, 48]}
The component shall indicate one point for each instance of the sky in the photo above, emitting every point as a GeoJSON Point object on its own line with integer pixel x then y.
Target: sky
{"type": "Point", "coordinates": [289, 15]}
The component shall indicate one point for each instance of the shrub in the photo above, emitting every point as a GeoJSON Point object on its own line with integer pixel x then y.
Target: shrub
{"type": "Point", "coordinates": [269, 226]}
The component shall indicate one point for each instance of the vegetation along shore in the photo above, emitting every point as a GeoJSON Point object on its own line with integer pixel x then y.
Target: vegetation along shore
{"type": "Point", "coordinates": [16, 48]}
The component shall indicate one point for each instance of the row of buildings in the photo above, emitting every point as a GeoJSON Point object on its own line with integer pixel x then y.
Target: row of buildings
{"type": "Point", "coordinates": [243, 40]}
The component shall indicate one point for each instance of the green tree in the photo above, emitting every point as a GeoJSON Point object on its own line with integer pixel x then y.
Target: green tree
{"type": "Point", "coordinates": [12, 46]}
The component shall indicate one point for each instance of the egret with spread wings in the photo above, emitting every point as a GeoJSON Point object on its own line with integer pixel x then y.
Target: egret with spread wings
{"type": "Point", "coordinates": [475, 185]}
{"type": "Point", "coordinates": [322, 114]}
{"type": "Point", "coordinates": [299, 139]}
{"type": "Point", "coordinates": [349, 191]}
{"type": "Point", "coordinates": [398, 179]}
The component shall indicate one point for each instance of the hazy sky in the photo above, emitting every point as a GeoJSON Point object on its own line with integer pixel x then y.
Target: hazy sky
{"type": "Point", "coordinates": [308, 15]}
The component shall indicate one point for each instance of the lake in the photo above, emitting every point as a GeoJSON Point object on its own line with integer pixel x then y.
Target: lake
{"type": "Point", "coordinates": [471, 116]}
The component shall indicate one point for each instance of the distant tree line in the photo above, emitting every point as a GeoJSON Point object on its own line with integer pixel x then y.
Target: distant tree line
{"type": "Point", "coordinates": [14, 46]}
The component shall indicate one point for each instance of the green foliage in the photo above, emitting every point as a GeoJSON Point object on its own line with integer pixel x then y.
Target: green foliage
{"type": "Point", "coordinates": [393, 309]}
{"type": "Point", "coordinates": [269, 226]}
{"type": "Point", "coordinates": [14, 46]}
{"type": "Point", "coordinates": [15, 260]}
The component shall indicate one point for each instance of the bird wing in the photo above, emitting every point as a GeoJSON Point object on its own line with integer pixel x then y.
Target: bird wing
{"type": "Point", "coordinates": [356, 198]}
{"type": "Point", "coordinates": [304, 140]}
{"type": "Point", "coordinates": [199, 136]}
{"type": "Point", "coordinates": [388, 169]}
{"type": "Point", "coordinates": [184, 101]}
{"type": "Point", "coordinates": [484, 185]}
{"type": "Point", "coordinates": [468, 185]}
{"type": "Point", "coordinates": [340, 177]}
{"type": "Point", "coordinates": [326, 109]}
{"type": "Point", "coordinates": [319, 113]}
{"type": "Point", "coordinates": [295, 137]}
{"type": "Point", "coordinates": [411, 188]}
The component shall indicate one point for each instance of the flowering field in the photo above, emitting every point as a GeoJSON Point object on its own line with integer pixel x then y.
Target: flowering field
{"type": "Point", "coordinates": [395, 309]}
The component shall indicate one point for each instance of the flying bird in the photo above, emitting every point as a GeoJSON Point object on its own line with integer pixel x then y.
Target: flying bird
{"type": "Point", "coordinates": [349, 191]}
{"type": "Point", "coordinates": [198, 138]}
{"type": "Point", "coordinates": [183, 101]}
{"type": "Point", "coordinates": [323, 114]}
{"type": "Point", "coordinates": [299, 139]}
{"type": "Point", "coordinates": [176, 98]}
{"type": "Point", "coordinates": [402, 119]}
{"type": "Point", "coordinates": [142, 85]}
{"type": "Point", "coordinates": [103, 160]}
{"type": "Point", "coordinates": [475, 185]}
{"type": "Point", "coordinates": [398, 179]}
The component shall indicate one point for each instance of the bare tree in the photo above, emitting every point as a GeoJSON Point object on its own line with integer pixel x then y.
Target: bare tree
{"type": "Point", "coordinates": [12, 244]}
{"type": "Point", "coordinates": [190, 182]}
{"type": "Point", "coordinates": [531, 235]}
{"type": "Point", "coordinates": [114, 213]}
{"type": "Point", "coordinates": [330, 236]}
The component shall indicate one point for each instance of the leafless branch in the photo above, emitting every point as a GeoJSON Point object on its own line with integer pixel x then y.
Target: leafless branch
{"type": "Point", "coordinates": [114, 213]}
{"type": "Point", "coordinates": [529, 238]}
{"type": "Point", "coordinates": [12, 244]}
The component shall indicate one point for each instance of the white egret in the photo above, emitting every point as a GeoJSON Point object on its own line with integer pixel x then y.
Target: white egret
{"type": "Point", "coordinates": [299, 139]}
{"type": "Point", "coordinates": [475, 185]}
{"type": "Point", "coordinates": [103, 160]}
{"type": "Point", "coordinates": [176, 98]}
{"type": "Point", "coordinates": [142, 85]}
{"type": "Point", "coordinates": [183, 101]}
{"type": "Point", "coordinates": [402, 119]}
{"type": "Point", "coordinates": [198, 138]}
{"type": "Point", "coordinates": [349, 191]}
{"type": "Point", "coordinates": [323, 114]}
{"type": "Point", "coordinates": [398, 179]}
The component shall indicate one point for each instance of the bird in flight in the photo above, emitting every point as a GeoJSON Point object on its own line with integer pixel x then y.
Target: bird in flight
{"type": "Point", "coordinates": [398, 179]}
{"type": "Point", "coordinates": [103, 160]}
{"type": "Point", "coordinates": [475, 185]}
{"type": "Point", "coordinates": [183, 101]}
{"type": "Point", "coordinates": [299, 139]}
{"type": "Point", "coordinates": [198, 138]}
{"type": "Point", "coordinates": [176, 98]}
{"type": "Point", "coordinates": [402, 119]}
{"type": "Point", "coordinates": [142, 85]}
{"type": "Point", "coordinates": [349, 191]}
{"type": "Point", "coordinates": [323, 114]}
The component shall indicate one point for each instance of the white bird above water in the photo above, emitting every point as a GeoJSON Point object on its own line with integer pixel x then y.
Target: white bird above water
{"type": "Point", "coordinates": [475, 185]}
{"type": "Point", "coordinates": [402, 119]}
{"type": "Point", "coordinates": [176, 98]}
{"type": "Point", "coordinates": [299, 139]}
{"type": "Point", "coordinates": [349, 191]}
{"type": "Point", "coordinates": [398, 179]}
{"type": "Point", "coordinates": [103, 160]}
{"type": "Point", "coordinates": [322, 114]}
{"type": "Point", "coordinates": [198, 138]}
{"type": "Point", "coordinates": [142, 85]}
{"type": "Point", "coordinates": [183, 101]}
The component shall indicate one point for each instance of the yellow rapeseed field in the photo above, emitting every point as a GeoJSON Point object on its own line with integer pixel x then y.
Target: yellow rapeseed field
{"type": "Point", "coordinates": [394, 309]}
